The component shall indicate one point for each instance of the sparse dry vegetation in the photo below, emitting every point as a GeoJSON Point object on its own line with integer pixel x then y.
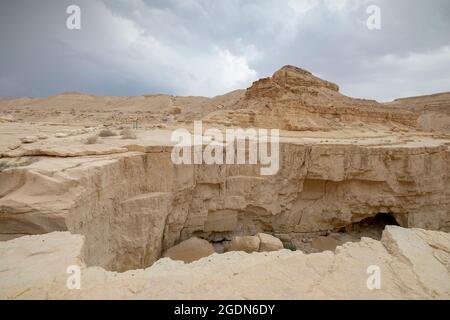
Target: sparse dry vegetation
{"type": "Point", "coordinates": [289, 246]}
{"type": "Point", "coordinates": [128, 134]}
{"type": "Point", "coordinates": [107, 133]}
{"type": "Point", "coordinates": [92, 139]}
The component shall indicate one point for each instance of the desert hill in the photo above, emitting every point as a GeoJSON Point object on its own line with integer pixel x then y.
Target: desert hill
{"type": "Point", "coordinates": [433, 110]}
{"type": "Point", "coordinates": [292, 99]}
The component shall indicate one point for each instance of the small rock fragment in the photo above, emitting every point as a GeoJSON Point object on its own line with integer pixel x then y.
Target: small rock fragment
{"type": "Point", "coordinates": [42, 136]}
{"type": "Point", "coordinates": [61, 135]}
{"type": "Point", "coordinates": [29, 139]}
{"type": "Point", "coordinates": [14, 146]}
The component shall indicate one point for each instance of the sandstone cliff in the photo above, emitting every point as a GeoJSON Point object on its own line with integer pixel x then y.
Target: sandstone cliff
{"type": "Point", "coordinates": [132, 205]}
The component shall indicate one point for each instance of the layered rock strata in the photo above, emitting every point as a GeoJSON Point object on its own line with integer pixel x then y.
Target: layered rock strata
{"type": "Point", "coordinates": [294, 99]}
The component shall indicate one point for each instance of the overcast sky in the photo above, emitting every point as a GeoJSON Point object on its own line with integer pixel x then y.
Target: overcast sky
{"type": "Point", "coordinates": [210, 47]}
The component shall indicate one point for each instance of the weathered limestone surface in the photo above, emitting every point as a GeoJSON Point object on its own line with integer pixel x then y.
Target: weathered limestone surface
{"type": "Point", "coordinates": [31, 262]}
{"type": "Point", "coordinates": [413, 264]}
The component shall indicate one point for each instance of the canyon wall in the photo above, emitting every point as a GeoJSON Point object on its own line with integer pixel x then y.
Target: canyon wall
{"type": "Point", "coordinates": [132, 206]}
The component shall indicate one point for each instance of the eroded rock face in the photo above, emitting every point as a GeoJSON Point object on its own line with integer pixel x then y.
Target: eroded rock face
{"type": "Point", "coordinates": [407, 258]}
{"type": "Point", "coordinates": [133, 206]}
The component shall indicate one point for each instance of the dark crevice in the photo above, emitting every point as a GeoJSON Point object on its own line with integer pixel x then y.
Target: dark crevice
{"type": "Point", "coordinates": [371, 227]}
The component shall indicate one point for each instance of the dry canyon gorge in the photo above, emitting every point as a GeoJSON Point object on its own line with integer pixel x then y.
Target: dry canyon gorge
{"type": "Point", "coordinates": [89, 181]}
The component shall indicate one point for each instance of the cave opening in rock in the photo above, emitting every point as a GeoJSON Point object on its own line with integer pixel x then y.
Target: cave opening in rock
{"type": "Point", "coordinates": [371, 227]}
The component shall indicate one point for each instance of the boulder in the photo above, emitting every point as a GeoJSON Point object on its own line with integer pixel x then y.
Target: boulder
{"type": "Point", "coordinates": [190, 250]}
{"type": "Point", "coordinates": [324, 243]}
{"type": "Point", "coordinates": [14, 146]}
{"type": "Point", "coordinates": [61, 135]}
{"type": "Point", "coordinates": [7, 118]}
{"type": "Point", "coordinates": [269, 243]}
{"type": "Point", "coordinates": [29, 139]}
{"type": "Point", "coordinates": [244, 243]}
{"type": "Point", "coordinates": [175, 110]}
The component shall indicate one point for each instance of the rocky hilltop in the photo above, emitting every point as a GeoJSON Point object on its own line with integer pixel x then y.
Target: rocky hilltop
{"type": "Point", "coordinates": [360, 183]}
{"type": "Point", "coordinates": [289, 81]}
{"type": "Point", "coordinates": [294, 99]}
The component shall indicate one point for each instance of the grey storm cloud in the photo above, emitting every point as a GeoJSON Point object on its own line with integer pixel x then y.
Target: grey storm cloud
{"type": "Point", "coordinates": [209, 47]}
